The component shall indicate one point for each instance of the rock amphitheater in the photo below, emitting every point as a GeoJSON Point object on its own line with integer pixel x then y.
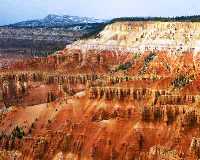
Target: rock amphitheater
{"type": "Point", "coordinates": [131, 93]}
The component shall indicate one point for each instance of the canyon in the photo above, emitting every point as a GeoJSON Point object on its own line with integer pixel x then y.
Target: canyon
{"type": "Point", "coordinates": [131, 92]}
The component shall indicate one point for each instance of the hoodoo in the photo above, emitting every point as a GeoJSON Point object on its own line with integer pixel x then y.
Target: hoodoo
{"type": "Point", "coordinates": [132, 92]}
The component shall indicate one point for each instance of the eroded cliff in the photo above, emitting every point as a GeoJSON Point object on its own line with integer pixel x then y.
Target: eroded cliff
{"type": "Point", "coordinates": [107, 98]}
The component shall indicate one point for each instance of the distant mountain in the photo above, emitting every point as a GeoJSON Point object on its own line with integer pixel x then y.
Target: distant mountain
{"type": "Point", "coordinates": [57, 21]}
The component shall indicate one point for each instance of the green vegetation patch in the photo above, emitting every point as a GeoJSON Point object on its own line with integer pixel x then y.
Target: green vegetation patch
{"type": "Point", "coordinates": [18, 133]}
{"type": "Point", "coordinates": [195, 18]}
{"type": "Point", "coordinates": [180, 81]}
{"type": "Point", "coordinates": [123, 67]}
{"type": "Point", "coordinates": [147, 60]}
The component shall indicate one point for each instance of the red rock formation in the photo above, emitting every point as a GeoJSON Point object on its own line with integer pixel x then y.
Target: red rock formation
{"type": "Point", "coordinates": [102, 104]}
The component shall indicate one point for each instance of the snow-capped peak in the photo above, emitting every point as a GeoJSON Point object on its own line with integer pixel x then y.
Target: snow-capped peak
{"type": "Point", "coordinates": [53, 20]}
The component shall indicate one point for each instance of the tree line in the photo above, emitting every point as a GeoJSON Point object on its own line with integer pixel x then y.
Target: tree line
{"type": "Point", "coordinates": [194, 18]}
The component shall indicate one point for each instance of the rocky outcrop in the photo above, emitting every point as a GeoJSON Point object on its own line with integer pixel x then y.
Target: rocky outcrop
{"type": "Point", "coordinates": [122, 99]}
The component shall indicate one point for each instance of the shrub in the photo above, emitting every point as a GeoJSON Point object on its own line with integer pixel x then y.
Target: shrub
{"type": "Point", "coordinates": [18, 133]}
{"type": "Point", "coordinates": [147, 60]}
{"type": "Point", "coordinates": [124, 66]}
{"type": "Point", "coordinates": [180, 81]}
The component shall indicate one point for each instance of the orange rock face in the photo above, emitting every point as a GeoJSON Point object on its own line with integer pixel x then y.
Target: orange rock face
{"type": "Point", "coordinates": [101, 104]}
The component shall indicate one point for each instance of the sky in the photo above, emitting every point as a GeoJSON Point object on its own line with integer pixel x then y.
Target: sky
{"type": "Point", "coordinates": [12, 11]}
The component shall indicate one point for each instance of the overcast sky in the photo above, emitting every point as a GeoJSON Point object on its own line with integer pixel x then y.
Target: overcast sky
{"type": "Point", "coordinates": [17, 10]}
